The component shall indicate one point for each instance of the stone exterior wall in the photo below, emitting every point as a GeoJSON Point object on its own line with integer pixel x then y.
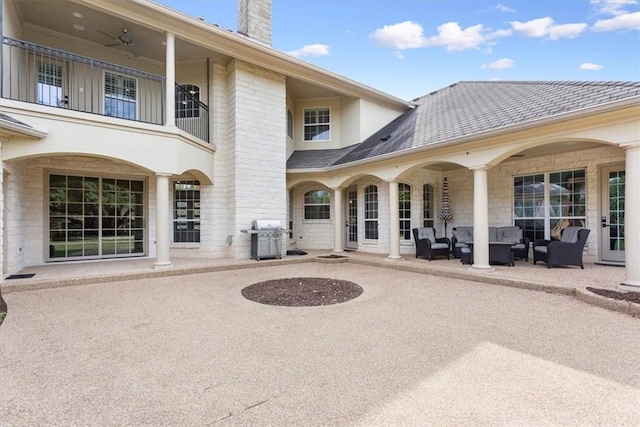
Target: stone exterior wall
{"type": "Point", "coordinates": [311, 233]}
{"type": "Point", "coordinates": [257, 144]}
{"type": "Point", "coordinates": [254, 19]}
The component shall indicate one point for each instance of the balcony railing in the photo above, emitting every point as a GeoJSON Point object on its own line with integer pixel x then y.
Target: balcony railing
{"type": "Point", "coordinates": [55, 78]}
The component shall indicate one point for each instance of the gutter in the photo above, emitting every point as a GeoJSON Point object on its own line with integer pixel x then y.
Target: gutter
{"type": "Point", "coordinates": [582, 112]}
{"type": "Point", "coordinates": [15, 129]}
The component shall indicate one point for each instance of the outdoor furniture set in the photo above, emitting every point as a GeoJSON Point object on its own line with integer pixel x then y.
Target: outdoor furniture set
{"type": "Point", "coordinates": [505, 245]}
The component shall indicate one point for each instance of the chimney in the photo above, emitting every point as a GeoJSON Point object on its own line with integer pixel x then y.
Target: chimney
{"type": "Point", "coordinates": [254, 20]}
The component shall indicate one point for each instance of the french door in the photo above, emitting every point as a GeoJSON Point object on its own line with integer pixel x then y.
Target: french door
{"type": "Point", "coordinates": [95, 217]}
{"type": "Point", "coordinates": [351, 235]}
{"type": "Point", "coordinates": [613, 214]}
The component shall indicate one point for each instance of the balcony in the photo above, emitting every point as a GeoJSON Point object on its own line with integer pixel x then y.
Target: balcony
{"type": "Point", "coordinates": [58, 79]}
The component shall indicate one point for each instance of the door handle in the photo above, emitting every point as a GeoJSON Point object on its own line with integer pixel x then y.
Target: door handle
{"type": "Point", "coordinates": [603, 220]}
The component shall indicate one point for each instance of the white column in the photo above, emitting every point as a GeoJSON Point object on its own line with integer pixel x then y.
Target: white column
{"type": "Point", "coordinates": [480, 219]}
{"type": "Point", "coordinates": [170, 82]}
{"type": "Point", "coordinates": [338, 220]}
{"type": "Point", "coordinates": [163, 228]}
{"type": "Point", "coordinates": [631, 281]}
{"type": "Point", "coordinates": [394, 221]}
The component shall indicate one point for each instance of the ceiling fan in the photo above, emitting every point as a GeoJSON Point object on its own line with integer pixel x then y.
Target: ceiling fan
{"type": "Point", "coordinates": [123, 39]}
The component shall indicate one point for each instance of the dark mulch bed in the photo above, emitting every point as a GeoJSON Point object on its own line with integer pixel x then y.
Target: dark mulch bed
{"type": "Point", "coordinates": [619, 295]}
{"type": "Point", "coordinates": [302, 291]}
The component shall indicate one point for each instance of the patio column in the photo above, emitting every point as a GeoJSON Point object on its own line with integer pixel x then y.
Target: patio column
{"type": "Point", "coordinates": [163, 228]}
{"type": "Point", "coordinates": [394, 221]}
{"type": "Point", "coordinates": [631, 281]}
{"type": "Point", "coordinates": [170, 82]}
{"type": "Point", "coordinates": [480, 218]}
{"type": "Point", "coordinates": [338, 220]}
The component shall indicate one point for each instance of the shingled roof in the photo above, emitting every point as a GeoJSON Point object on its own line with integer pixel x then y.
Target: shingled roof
{"type": "Point", "coordinates": [466, 109]}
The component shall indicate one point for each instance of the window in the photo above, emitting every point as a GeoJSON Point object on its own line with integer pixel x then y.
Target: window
{"type": "Point", "coordinates": [371, 212]}
{"type": "Point", "coordinates": [428, 207]}
{"type": "Point", "coordinates": [186, 211]}
{"type": "Point", "coordinates": [404, 194]}
{"type": "Point", "coordinates": [317, 205]}
{"type": "Point", "coordinates": [95, 217]}
{"type": "Point", "coordinates": [289, 124]}
{"type": "Point", "coordinates": [545, 204]}
{"type": "Point", "coordinates": [120, 96]}
{"type": "Point", "coordinates": [317, 125]}
{"type": "Point", "coordinates": [50, 84]}
{"type": "Point", "coordinates": [188, 101]}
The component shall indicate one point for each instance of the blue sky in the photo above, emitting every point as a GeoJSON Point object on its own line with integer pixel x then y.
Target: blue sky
{"type": "Point", "coordinates": [408, 48]}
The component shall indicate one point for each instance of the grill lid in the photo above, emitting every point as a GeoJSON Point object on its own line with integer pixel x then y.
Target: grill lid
{"type": "Point", "coordinates": [266, 224]}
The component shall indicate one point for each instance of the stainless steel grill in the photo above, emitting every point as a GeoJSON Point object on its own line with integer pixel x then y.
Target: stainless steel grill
{"type": "Point", "coordinates": [266, 238]}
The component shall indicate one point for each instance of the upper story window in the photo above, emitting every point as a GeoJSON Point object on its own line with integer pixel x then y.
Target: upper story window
{"type": "Point", "coordinates": [371, 212]}
{"type": "Point", "coordinates": [317, 205]}
{"type": "Point", "coordinates": [428, 207]}
{"type": "Point", "coordinates": [120, 96]}
{"type": "Point", "coordinates": [289, 124]}
{"type": "Point", "coordinates": [50, 84]}
{"type": "Point", "coordinates": [317, 124]}
{"type": "Point", "coordinates": [404, 195]}
{"type": "Point", "coordinates": [188, 102]}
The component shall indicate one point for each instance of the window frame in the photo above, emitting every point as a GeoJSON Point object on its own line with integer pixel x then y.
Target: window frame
{"type": "Point", "coordinates": [310, 205]}
{"type": "Point", "coordinates": [316, 124]}
{"type": "Point", "coordinates": [188, 108]}
{"type": "Point", "coordinates": [120, 97]}
{"type": "Point", "coordinates": [190, 206]}
{"type": "Point", "coordinates": [370, 210]}
{"type": "Point", "coordinates": [404, 210]}
{"type": "Point", "coordinates": [290, 133]}
{"type": "Point", "coordinates": [538, 215]}
{"type": "Point", "coordinates": [428, 205]}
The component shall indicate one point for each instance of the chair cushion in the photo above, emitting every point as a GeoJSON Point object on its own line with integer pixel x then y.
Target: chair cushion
{"type": "Point", "coordinates": [542, 249]}
{"type": "Point", "coordinates": [426, 233]}
{"type": "Point", "coordinates": [439, 246]}
{"type": "Point", "coordinates": [510, 235]}
{"type": "Point", "coordinates": [463, 236]}
{"type": "Point", "coordinates": [518, 246]}
{"type": "Point", "coordinates": [465, 250]}
{"type": "Point", "coordinates": [570, 234]}
{"type": "Point", "coordinates": [461, 245]}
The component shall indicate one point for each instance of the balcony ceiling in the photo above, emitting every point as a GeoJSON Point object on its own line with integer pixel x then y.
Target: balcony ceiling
{"type": "Point", "coordinates": [146, 39]}
{"type": "Point", "coordinates": [146, 42]}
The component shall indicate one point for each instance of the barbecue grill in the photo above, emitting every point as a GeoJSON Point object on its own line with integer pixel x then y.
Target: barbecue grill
{"type": "Point", "coordinates": [266, 238]}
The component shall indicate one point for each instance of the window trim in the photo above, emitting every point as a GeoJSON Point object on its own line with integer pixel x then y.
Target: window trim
{"type": "Point", "coordinates": [370, 209]}
{"type": "Point", "coordinates": [428, 221]}
{"type": "Point", "coordinates": [197, 222]}
{"type": "Point", "coordinates": [305, 125]}
{"type": "Point", "coordinates": [405, 233]}
{"type": "Point", "coordinates": [119, 97]}
{"type": "Point", "coordinates": [290, 127]}
{"type": "Point", "coordinates": [308, 204]}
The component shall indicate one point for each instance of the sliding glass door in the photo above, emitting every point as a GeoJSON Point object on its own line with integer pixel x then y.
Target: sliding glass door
{"type": "Point", "coordinates": [95, 217]}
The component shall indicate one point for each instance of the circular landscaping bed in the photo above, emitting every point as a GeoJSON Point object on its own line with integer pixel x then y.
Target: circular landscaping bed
{"type": "Point", "coordinates": [302, 291]}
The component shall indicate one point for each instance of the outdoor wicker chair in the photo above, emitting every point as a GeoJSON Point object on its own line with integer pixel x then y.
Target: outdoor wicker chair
{"type": "Point", "coordinates": [566, 251]}
{"type": "Point", "coordinates": [428, 246]}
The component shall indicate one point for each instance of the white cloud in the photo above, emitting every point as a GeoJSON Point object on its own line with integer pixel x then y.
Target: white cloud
{"type": "Point", "coordinates": [455, 38]}
{"type": "Point", "coordinates": [568, 31]}
{"type": "Point", "coordinates": [500, 33]}
{"type": "Point", "coordinates": [628, 21]}
{"type": "Point", "coordinates": [503, 8]}
{"type": "Point", "coordinates": [612, 7]}
{"type": "Point", "coordinates": [545, 27]}
{"type": "Point", "coordinates": [310, 50]}
{"type": "Point", "coordinates": [404, 35]}
{"type": "Point", "coordinates": [534, 28]}
{"type": "Point", "coordinates": [589, 66]}
{"type": "Point", "coordinates": [500, 64]}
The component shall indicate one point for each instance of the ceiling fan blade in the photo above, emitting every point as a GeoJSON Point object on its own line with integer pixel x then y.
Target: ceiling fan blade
{"type": "Point", "coordinates": [112, 44]}
{"type": "Point", "coordinates": [107, 34]}
{"type": "Point", "coordinates": [132, 51]}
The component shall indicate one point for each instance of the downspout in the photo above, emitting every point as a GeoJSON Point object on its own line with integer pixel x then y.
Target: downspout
{"type": "Point", "coordinates": [1, 50]}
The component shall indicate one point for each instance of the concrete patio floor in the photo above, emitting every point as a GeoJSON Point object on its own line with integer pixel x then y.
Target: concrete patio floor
{"type": "Point", "coordinates": [413, 349]}
{"type": "Point", "coordinates": [566, 281]}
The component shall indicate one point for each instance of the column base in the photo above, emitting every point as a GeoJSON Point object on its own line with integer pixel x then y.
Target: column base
{"type": "Point", "coordinates": [477, 267]}
{"type": "Point", "coordinates": [394, 258]}
{"type": "Point", "coordinates": [337, 251]}
{"type": "Point", "coordinates": [162, 265]}
{"type": "Point", "coordinates": [630, 285]}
